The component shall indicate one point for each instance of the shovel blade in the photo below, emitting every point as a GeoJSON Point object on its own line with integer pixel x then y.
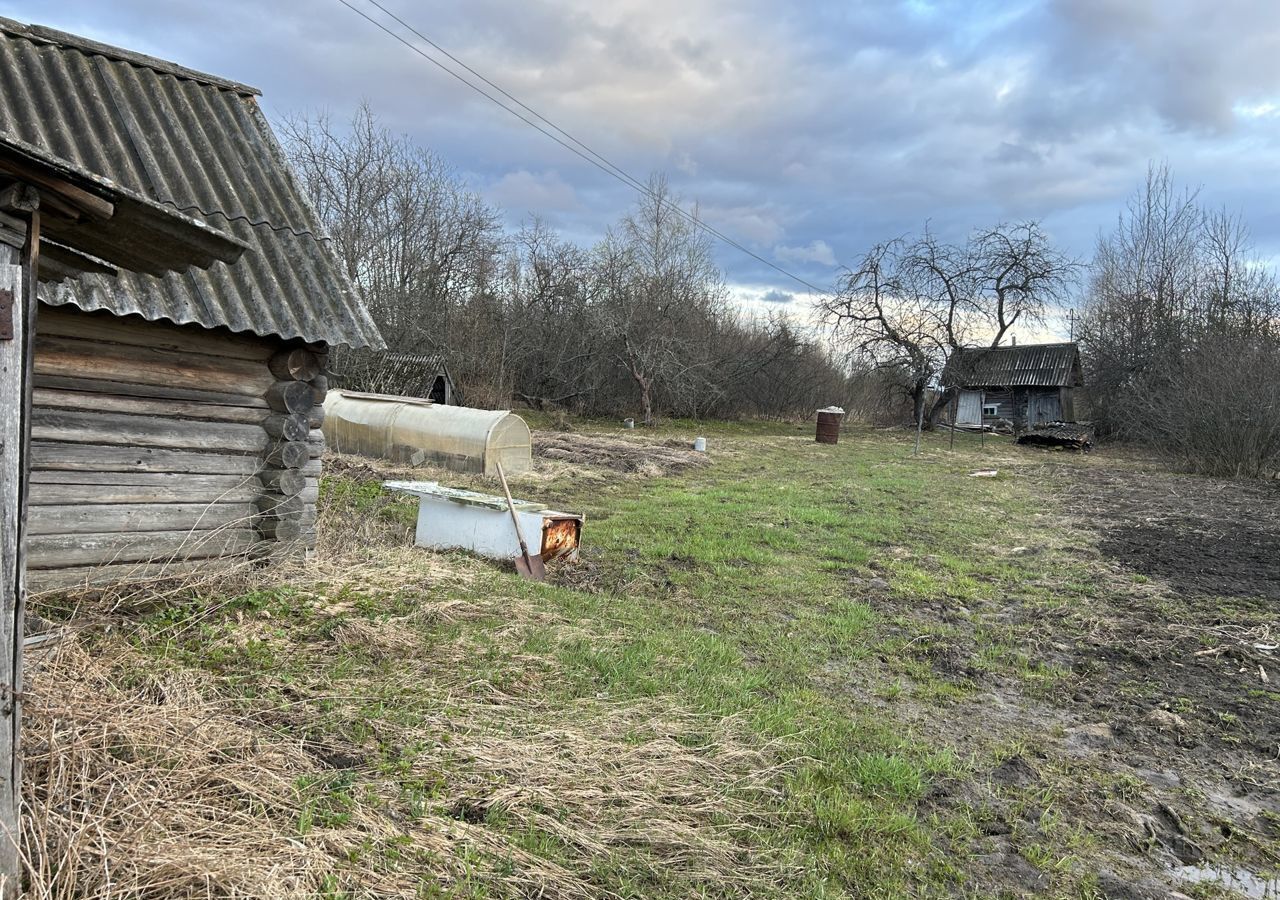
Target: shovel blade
{"type": "Point", "coordinates": [531, 567]}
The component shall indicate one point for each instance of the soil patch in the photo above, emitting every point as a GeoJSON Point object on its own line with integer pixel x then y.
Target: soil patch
{"type": "Point", "coordinates": [618, 454]}
{"type": "Point", "coordinates": [1159, 734]}
{"type": "Point", "coordinates": [1203, 536]}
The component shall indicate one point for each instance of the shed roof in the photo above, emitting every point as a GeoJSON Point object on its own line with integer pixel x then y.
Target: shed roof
{"type": "Point", "coordinates": [422, 360]}
{"type": "Point", "coordinates": [1030, 365]}
{"type": "Point", "coordinates": [200, 145]}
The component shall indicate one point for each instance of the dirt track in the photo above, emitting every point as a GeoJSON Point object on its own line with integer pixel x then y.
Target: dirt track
{"type": "Point", "coordinates": [1174, 671]}
{"type": "Point", "coordinates": [1161, 739]}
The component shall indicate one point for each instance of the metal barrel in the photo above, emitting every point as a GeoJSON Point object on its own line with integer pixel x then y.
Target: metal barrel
{"type": "Point", "coordinates": [829, 426]}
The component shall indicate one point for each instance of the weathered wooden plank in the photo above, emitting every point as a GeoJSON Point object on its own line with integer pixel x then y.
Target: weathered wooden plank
{"type": "Point", "coordinates": [91, 518]}
{"type": "Point", "coordinates": [134, 330]}
{"type": "Point", "coordinates": [58, 456]}
{"type": "Point", "coordinates": [315, 443]}
{"type": "Point", "coordinates": [283, 528]}
{"type": "Point", "coordinates": [14, 386]}
{"type": "Point", "coordinates": [55, 551]}
{"type": "Point", "coordinates": [58, 488]}
{"type": "Point", "coordinates": [287, 427]}
{"type": "Point", "coordinates": [155, 391]}
{"type": "Point", "coordinates": [50, 580]}
{"type": "Point", "coordinates": [141, 406]}
{"type": "Point", "coordinates": [147, 365]}
{"type": "Point", "coordinates": [145, 431]}
{"type": "Point", "coordinates": [279, 506]}
{"type": "Point", "coordinates": [284, 481]}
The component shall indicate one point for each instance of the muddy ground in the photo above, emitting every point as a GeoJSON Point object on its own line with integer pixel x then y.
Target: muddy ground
{"type": "Point", "coordinates": [1160, 739]}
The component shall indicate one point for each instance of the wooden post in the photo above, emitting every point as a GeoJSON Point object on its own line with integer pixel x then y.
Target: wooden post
{"type": "Point", "coordinates": [955, 411]}
{"type": "Point", "coordinates": [919, 429]}
{"type": "Point", "coordinates": [17, 342]}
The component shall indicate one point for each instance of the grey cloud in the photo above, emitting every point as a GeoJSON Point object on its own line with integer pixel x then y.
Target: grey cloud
{"type": "Point", "coordinates": [830, 124]}
{"type": "Point", "coordinates": [777, 296]}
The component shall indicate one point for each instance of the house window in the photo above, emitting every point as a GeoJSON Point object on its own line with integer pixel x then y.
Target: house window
{"type": "Point", "coordinates": [991, 409]}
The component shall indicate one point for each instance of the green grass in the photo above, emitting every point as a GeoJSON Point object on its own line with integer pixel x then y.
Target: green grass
{"type": "Point", "coordinates": [741, 592]}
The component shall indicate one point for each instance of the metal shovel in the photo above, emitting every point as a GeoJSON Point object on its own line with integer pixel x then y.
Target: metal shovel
{"type": "Point", "coordinates": [530, 566]}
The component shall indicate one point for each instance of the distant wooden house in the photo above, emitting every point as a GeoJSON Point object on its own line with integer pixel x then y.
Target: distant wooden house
{"type": "Point", "coordinates": [175, 410]}
{"type": "Point", "coordinates": [422, 375]}
{"type": "Point", "coordinates": [1024, 385]}
{"type": "Point", "coordinates": [399, 373]}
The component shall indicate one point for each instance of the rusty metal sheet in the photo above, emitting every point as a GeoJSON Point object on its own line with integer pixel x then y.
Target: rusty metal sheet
{"type": "Point", "coordinates": [560, 537]}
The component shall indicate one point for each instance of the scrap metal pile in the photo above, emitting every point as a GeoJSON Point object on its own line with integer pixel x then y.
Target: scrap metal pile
{"type": "Point", "coordinates": [1066, 435]}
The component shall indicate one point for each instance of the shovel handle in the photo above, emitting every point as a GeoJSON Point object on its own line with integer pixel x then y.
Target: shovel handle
{"type": "Point", "coordinates": [511, 507]}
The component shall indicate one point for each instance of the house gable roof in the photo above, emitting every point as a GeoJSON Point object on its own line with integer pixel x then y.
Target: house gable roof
{"type": "Point", "coordinates": [200, 145]}
{"type": "Point", "coordinates": [1029, 365]}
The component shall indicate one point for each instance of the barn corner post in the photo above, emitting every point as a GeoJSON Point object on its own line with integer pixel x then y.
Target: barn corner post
{"type": "Point", "coordinates": [291, 466]}
{"type": "Point", "coordinates": [18, 258]}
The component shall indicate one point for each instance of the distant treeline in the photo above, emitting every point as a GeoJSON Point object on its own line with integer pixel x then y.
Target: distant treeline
{"type": "Point", "coordinates": [640, 324]}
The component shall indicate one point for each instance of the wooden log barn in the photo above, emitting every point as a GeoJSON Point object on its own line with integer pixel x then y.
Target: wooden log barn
{"type": "Point", "coordinates": [1023, 386]}
{"type": "Point", "coordinates": [175, 414]}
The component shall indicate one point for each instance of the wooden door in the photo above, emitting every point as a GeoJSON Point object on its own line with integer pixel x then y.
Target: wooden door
{"type": "Point", "coordinates": [969, 408]}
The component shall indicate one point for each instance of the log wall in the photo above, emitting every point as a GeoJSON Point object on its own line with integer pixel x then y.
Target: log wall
{"type": "Point", "coordinates": [155, 443]}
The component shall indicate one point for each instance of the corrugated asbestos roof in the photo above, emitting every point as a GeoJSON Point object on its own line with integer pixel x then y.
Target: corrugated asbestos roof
{"type": "Point", "coordinates": [1031, 365]}
{"type": "Point", "coordinates": [201, 145]}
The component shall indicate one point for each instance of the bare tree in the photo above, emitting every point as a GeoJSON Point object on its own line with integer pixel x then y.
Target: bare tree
{"type": "Point", "coordinates": [910, 305]}
{"type": "Point", "coordinates": [640, 320]}
{"type": "Point", "coordinates": [660, 286]}
{"type": "Point", "coordinates": [409, 233]}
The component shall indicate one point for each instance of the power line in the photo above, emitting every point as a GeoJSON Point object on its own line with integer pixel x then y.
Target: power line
{"type": "Point", "coordinates": [569, 142]}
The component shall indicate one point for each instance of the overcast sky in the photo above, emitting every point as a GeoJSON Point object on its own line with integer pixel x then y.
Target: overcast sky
{"type": "Point", "coordinates": [804, 130]}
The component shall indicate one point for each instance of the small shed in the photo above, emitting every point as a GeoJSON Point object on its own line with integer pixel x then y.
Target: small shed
{"type": "Point", "coordinates": [175, 412]}
{"type": "Point", "coordinates": [1024, 385]}
{"type": "Point", "coordinates": [416, 432]}
{"type": "Point", "coordinates": [420, 375]}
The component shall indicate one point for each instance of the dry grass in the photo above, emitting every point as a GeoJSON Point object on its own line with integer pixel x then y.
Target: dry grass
{"type": "Point", "coordinates": [150, 785]}
{"type": "Point", "coordinates": [148, 779]}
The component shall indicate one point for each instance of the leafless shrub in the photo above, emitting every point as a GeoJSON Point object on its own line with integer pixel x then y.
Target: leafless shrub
{"type": "Point", "coordinates": [1180, 334]}
{"type": "Point", "coordinates": [1214, 409]}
